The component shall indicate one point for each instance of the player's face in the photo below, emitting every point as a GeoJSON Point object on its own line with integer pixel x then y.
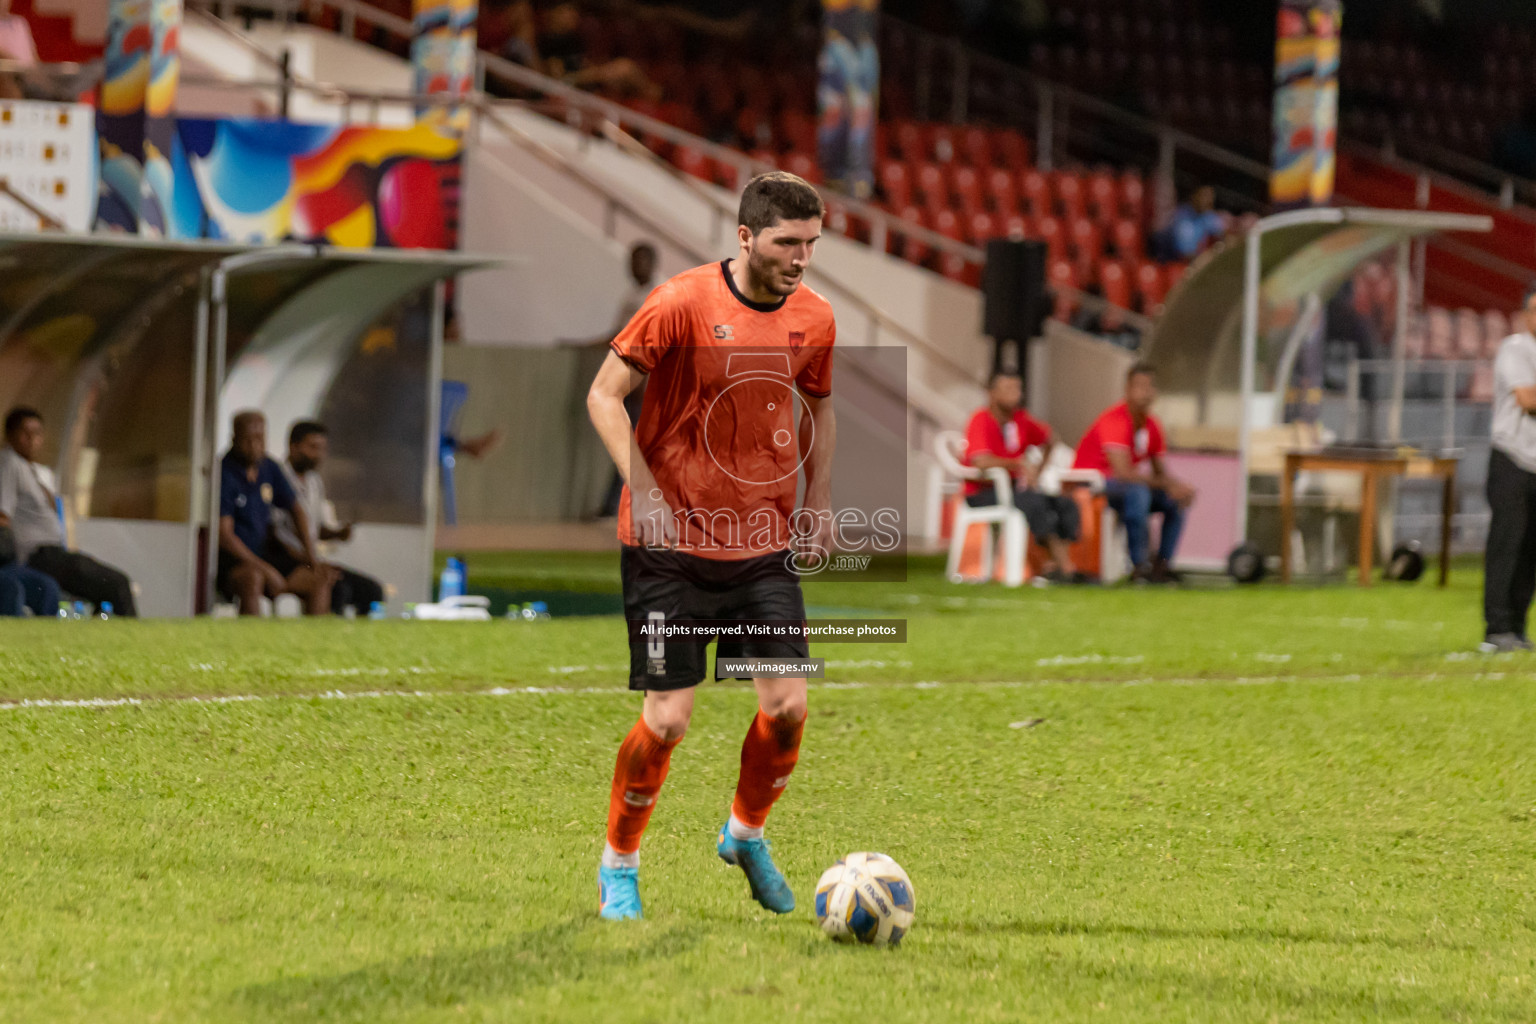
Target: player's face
{"type": "Point", "coordinates": [309, 453]}
{"type": "Point", "coordinates": [1007, 393]}
{"type": "Point", "coordinates": [778, 256]}
{"type": "Point", "coordinates": [251, 442]}
{"type": "Point", "coordinates": [1140, 392]}
{"type": "Point", "coordinates": [27, 439]}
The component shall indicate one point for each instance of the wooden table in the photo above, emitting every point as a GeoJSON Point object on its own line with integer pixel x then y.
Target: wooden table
{"type": "Point", "coordinates": [1372, 467]}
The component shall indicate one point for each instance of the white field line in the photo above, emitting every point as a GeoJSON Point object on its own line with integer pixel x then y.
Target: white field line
{"type": "Point", "coordinates": [616, 691]}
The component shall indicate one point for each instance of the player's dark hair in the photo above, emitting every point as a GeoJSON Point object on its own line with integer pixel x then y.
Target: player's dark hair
{"type": "Point", "coordinates": [775, 196]}
{"type": "Point", "coordinates": [1140, 370]}
{"type": "Point", "coordinates": [304, 430]}
{"type": "Point", "coordinates": [19, 415]}
{"type": "Point", "coordinates": [998, 375]}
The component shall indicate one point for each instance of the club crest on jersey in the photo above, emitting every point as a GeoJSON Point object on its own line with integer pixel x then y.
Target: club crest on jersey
{"type": "Point", "coordinates": [723, 332]}
{"type": "Point", "coordinates": [796, 339]}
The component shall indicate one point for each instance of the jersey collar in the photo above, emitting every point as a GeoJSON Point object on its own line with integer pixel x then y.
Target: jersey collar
{"type": "Point", "coordinates": [760, 307]}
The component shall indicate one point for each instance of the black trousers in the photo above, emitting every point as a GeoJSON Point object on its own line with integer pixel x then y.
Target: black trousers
{"type": "Point", "coordinates": [1509, 577]}
{"type": "Point", "coordinates": [86, 578]}
{"type": "Point", "coordinates": [355, 589]}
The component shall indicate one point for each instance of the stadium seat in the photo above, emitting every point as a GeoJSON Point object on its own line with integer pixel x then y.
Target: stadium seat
{"type": "Point", "coordinates": [691, 161]}
{"type": "Point", "coordinates": [911, 249]}
{"type": "Point", "coordinates": [1440, 336]}
{"type": "Point", "coordinates": [1125, 239]}
{"type": "Point", "coordinates": [1012, 148]}
{"type": "Point", "coordinates": [1495, 330]}
{"type": "Point", "coordinates": [1049, 231]}
{"type": "Point", "coordinates": [896, 184]}
{"type": "Point", "coordinates": [1103, 197]}
{"type": "Point", "coordinates": [1035, 193]}
{"type": "Point", "coordinates": [1151, 287]}
{"type": "Point", "coordinates": [803, 164]}
{"type": "Point", "coordinates": [1061, 274]}
{"type": "Point", "coordinates": [1015, 226]}
{"type": "Point", "coordinates": [1085, 240]}
{"type": "Point", "coordinates": [966, 183]}
{"type": "Point", "coordinates": [982, 226]}
{"type": "Point", "coordinates": [1003, 191]}
{"type": "Point", "coordinates": [797, 131]}
{"type": "Point", "coordinates": [911, 141]}
{"type": "Point", "coordinates": [1115, 283]}
{"type": "Point", "coordinates": [932, 186]}
{"type": "Point", "coordinates": [1133, 197]}
{"type": "Point", "coordinates": [943, 143]}
{"type": "Point", "coordinates": [976, 147]}
{"type": "Point", "coordinates": [1068, 193]}
{"type": "Point", "coordinates": [1469, 334]}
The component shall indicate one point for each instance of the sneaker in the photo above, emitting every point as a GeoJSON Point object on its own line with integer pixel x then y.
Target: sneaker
{"type": "Point", "coordinates": [752, 856]}
{"type": "Point", "coordinates": [1505, 643]}
{"type": "Point", "coordinates": [618, 893]}
{"type": "Point", "coordinates": [1083, 579]}
{"type": "Point", "coordinates": [1162, 572]}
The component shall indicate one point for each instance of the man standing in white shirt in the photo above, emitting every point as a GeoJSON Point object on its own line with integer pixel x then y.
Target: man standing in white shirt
{"type": "Point", "coordinates": [1509, 578]}
{"type": "Point", "coordinates": [308, 446]}
{"type": "Point", "coordinates": [29, 507]}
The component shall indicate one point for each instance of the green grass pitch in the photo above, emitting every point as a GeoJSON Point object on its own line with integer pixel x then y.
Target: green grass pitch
{"type": "Point", "coordinates": [1238, 805]}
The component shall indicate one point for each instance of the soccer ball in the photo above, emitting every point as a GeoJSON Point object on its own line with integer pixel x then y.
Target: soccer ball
{"type": "Point", "coordinates": [865, 897]}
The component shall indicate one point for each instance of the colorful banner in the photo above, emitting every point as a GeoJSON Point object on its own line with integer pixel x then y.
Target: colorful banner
{"type": "Point", "coordinates": [1306, 102]}
{"type": "Point", "coordinates": [120, 116]}
{"type": "Point", "coordinates": [848, 94]}
{"type": "Point", "coordinates": [443, 56]}
{"type": "Point", "coordinates": [270, 181]}
{"type": "Point", "coordinates": [159, 122]}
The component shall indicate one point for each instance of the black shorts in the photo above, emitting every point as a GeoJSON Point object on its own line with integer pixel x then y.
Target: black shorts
{"type": "Point", "coordinates": [676, 587]}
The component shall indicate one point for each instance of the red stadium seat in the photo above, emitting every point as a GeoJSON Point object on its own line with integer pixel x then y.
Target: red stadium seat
{"type": "Point", "coordinates": [797, 131]}
{"type": "Point", "coordinates": [1035, 192]}
{"type": "Point", "coordinates": [1133, 197]}
{"type": "Point", "coordinates": [947, 223]}
{"type": "Point", "coordinates": [1173, 273]}
{"type": "Point", "coordinates": [932, 186]}
{"type": "Point", "coordinates": [1151, 286]}
{"type": "Point", "coordinates": [1067, 189]}
{"type": "Point", "coordinates": [1103, 196]}
{"type": "Point", "coordinates": [909, 248]}
{"type": "Point", "coordinates": [966, 183]}
{"type": "Point", "coordinates": [1015, 226]}
{"type": "Point", "coordinates": [943, 143]}
{"type": "Point", "coordinates": [896, 183]}
{"type": "Point", "coordinates": [1125, 238]}
{"type": "Point", "coordinates": [882, 138]}
{"type": "Point", "coordinates": [1049, 231]}
{"type": "Point", "coordinates": [803, 164]}
{"type": "Point", "coordinates": [754, 128]}
{"type": "Point", "coordinates": [1003, 191]}
{"type": "Point", "coordinates": [982, 227]}
{"type": "Point", "coordinates": [691, 161]}
{"type": "Point", "coordinates": [911, 141]}
{"type": "Point", "coordinates": [1086, 240]}
{"type": "Point", "coordinates": [1061, 275]}
{"type": "Point", "coordinates": [1011, 148]}
{"type": "Point", "coordinates": [1115, 283]}
{"type": "Point", "coordinates": [976, 147]}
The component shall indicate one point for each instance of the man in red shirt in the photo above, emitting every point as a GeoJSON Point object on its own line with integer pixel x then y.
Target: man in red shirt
{"type": "Point", "coordinates": [1001, 435]}
{"type": "Point", "coordinates": [1126, 444]}
{"type": "Point", "coordinates": [736, 358]}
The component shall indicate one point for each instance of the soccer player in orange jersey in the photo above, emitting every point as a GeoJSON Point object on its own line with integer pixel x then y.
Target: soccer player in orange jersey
{"type": "Point", "coordinates": [737, 360]}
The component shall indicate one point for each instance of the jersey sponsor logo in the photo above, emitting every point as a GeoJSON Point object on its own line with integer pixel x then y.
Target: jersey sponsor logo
{"type": "Point", "coordinates": [723, 332]}
{"type": "Point", "coordinates": [796, 339]}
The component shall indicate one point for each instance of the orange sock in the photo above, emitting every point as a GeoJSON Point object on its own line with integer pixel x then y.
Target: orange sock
{"type": "Point", "coordinates": [768, 756]}
{"type": "Point", "coordinates": [638, 773]}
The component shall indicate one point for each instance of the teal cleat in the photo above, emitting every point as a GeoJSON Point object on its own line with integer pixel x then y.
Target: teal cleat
{"type": "Point", "coordinates": [752, 856]}
{"type": "Point", "coordinates": [618, 890]}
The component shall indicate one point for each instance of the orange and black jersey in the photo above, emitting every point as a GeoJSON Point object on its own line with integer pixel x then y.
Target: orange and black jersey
{"type": "Point", "coordinates": [719, 426]}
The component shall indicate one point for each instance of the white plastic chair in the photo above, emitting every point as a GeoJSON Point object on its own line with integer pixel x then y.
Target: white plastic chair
{"type": "Point", "coordinates": [949, 447]}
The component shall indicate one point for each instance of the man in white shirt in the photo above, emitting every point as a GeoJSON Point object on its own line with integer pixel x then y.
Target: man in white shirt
{"type": "Point", "coordinates": [1509, 577]}
{"type": "Point", "coordinates": [308, 446]}
{"type": "Point", "coordinates": [28, 505]}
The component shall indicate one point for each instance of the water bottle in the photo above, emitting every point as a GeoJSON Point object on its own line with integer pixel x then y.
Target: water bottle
{"type": "Point", "coordinates": [104, 611]}
{"type": "Point", "coordinates": [77, 613]}
{"type": "Point", "coordinates": [376, 611]}
{"type": "Point", "coordinates": [451, 583]}
{"type": "Point", "coordinates": [349, 612]}
{"type": "Point", "coordinates": [63, 609]}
